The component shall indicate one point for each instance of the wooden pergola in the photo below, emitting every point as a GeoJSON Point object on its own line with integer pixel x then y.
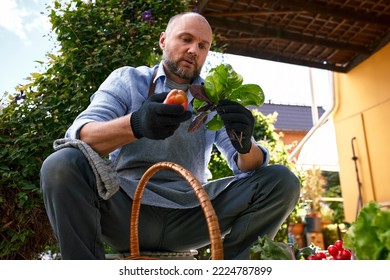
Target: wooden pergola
{"type": "Point", "coordinates": [335, 35]}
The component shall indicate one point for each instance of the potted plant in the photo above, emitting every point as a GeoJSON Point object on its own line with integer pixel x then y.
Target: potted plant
{"type": "Point", "coordinates": [313, 187]}
{"type": "Point", "coordinates": [296, 220]}
{"type": "Point", "coordinates": [296, 226]}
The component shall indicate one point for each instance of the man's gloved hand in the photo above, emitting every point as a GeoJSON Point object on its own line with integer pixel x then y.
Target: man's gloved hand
{"type": "Point", "coordinates": [239, 123]}
{"type": "Point", "coordinates": [155, 120]}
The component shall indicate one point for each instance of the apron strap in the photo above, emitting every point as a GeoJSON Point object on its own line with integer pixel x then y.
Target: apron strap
{"type": "Point", "coordinates": [152, 83]}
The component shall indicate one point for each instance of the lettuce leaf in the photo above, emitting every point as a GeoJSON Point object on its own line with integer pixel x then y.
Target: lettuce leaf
{"type": "Point", "coordinates": [369, 236]}
{"type": "Point", "coordinates": [222, 83]}
{"type": "Point", "coordinates": [267, 249]}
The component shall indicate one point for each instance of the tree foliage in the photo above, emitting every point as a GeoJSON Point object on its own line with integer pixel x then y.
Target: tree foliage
{"type": "Point", "coordinates": [94, 38]}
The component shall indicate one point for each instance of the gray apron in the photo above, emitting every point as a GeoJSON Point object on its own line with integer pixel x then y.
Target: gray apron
{"type": "Point", "coordinates": [167, 188]}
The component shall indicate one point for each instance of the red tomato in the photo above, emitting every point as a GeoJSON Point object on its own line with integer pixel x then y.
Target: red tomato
{"type": "Point", "coordinates": [339, 244]}
{"type": "Point", "coordinates": [177, 96]}
{"type": "Point", "coordinates": [345, 254]}
{"type": "Point", "coordinates": [333, 250]}
{"type": "Point", "coordinates": [312, 257]}
{"type": "Point", "coordinates": [321, 255]}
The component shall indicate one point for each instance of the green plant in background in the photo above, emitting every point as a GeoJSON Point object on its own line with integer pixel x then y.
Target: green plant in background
{"type": "Point", "coordinates": [267, 249]}
{"type": "Point", "coordinates": [332, 211]}
{"type": "Point", "coordinates": [333, 190]}
{"type": "Point", "coordinates": [369, 236]}
{"type": "Point", "coordinates": [313, 188]}
{"type": "Point", "coordinates": [93, 39]}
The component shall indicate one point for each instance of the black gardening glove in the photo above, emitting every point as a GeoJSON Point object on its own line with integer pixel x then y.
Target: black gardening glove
{"type": "Point", "coordinates": [155, 120]}
{"type": "Point", "coordinates": [239, 123]}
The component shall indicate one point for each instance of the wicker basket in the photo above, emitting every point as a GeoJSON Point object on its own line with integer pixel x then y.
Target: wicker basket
{"type": "Point", "coordinates": [208, 210]}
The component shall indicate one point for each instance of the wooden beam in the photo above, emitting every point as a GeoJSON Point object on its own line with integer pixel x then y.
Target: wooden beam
{"type": "Point", "coordinates": [336, 12]}
{"type": "Point", "coordinates": [361, 57]}
{"type": "Point", "coordinates": [261, 32]}
{"type": "Point", "coordinates": [261, 54]}
{"type": "Point", "coordinates": [248, 13]}
{"type": "Point", "coordinates": [245, 38]}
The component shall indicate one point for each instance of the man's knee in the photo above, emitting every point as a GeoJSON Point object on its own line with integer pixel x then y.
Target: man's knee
{"type": "Point", "coordinates": [59, 167]}
{"type": "Point", "coordinates": [288, 185]}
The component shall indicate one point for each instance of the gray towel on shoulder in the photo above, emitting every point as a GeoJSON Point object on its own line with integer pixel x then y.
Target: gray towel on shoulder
{"type": "Point", "coordinates": [106, 177]}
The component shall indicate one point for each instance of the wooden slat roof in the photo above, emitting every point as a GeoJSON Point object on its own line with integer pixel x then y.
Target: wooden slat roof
{"type": "Point", "coordinates": [327, 34]}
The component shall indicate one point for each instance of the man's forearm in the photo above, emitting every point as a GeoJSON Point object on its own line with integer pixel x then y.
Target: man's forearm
{"type": "Point", "coordinates": [105, 137]}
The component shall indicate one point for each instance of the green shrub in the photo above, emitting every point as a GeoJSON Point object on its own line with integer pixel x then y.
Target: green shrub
{"type": "Point", "coordinates": [93, 39]}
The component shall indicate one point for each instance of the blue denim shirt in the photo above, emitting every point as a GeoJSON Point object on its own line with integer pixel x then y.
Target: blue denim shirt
{"type": "Point", "coordinates": [126, 89]}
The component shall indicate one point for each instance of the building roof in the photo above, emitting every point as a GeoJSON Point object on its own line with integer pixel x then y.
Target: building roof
{"type": "Point", "coordinates": [327, 34]}
{"type": "Point", "coordinates": [291, 117]}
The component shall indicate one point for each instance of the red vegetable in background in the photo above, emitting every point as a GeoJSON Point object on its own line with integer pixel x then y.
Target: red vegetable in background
{"type": "Point", "coordinates": [333, 250]}
{"type": "Point", "coordinates": [177, 96]}
{"type": "Point", "coordinates": [339, 244]}
{"type": "Point", "coordinates": [338, 252]}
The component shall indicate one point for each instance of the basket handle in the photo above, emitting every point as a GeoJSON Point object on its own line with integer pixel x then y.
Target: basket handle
{"type": "Point", "coordinates": [205, 203]}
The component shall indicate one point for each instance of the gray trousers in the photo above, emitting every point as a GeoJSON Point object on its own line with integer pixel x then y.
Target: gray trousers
{"type": "Point", "coordinates": [81, 220]}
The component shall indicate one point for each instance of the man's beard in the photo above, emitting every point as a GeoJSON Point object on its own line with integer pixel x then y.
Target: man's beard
{"type": "Point", "coordinates": [181, 72]}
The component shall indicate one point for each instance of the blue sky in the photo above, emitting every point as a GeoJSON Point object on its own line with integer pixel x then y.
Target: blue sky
{"type": "Point", "coordinates": [24, 37]}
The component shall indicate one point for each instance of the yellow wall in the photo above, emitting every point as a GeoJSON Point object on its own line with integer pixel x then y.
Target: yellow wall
{"type": "Point", "coordinates": [363, 112]}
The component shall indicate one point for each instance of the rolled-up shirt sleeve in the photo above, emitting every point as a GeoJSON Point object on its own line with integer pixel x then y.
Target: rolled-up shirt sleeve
{"type": "Point", "coordinates": [117, 96]}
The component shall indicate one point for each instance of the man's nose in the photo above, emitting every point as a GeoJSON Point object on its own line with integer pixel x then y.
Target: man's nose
{"type": "Point", "coordinates": [194, 49]}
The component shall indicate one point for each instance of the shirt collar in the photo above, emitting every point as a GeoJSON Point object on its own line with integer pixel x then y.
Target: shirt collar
{"type": "Point", "coordinates": [161, 73]}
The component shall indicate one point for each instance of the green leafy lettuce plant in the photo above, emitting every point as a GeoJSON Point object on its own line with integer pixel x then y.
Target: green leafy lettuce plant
{"type": "Point", "coordinates": [222, 83]}
{"type": "Point", "coordinates": [267, 249]}
{"type": "Point", "coordinates": [369, 236]}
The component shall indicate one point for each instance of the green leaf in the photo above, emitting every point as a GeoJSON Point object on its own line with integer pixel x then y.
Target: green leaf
{"type": "Point", "coordinates": [220, 82]}
{"type": "Point", "coordinates": [369, 235]}
{"type": "Point", "coordinates": [304, 252]}
{"type": "Point", "coordinates": [214, 87]}
{"type": "Point", "coordinates": [198, 104]}
{"type": "Point", "coordinates": [249, 94]}
{"type": "Point", "coordinates": [267, 249]}
{"type": "Point", "coordinates": [223, 83]}
{"type": "Point", "coordinates": [215, 123]}
{"type": "Point", "coordinates": [36, 75]}
{"type": "Point", "coordinates": [233, 79]}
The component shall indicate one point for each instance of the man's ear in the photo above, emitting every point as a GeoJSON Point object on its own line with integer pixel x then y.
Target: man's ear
{"type": "Point", "coordinates": [162, 40]}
